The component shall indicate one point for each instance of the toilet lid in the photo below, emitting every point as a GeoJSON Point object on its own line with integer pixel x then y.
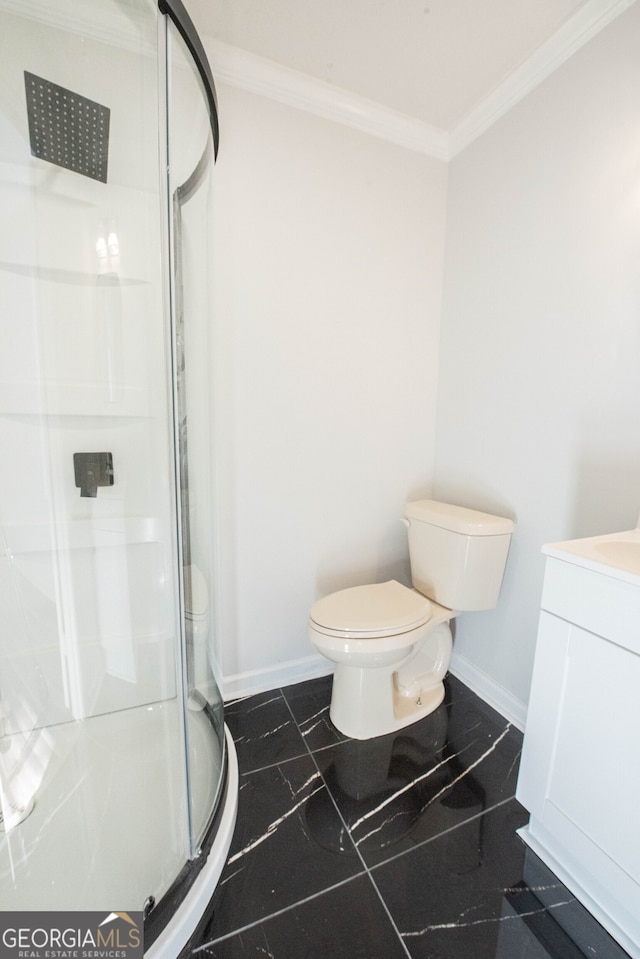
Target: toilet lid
{"type": "Point", "coordinates": [381, 609]}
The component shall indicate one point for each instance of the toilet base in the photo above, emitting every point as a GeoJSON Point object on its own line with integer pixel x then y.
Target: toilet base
{"type": "Point", "coordinates": [366, 703]}
{"type": "Point", "coordinates": [372, 701]}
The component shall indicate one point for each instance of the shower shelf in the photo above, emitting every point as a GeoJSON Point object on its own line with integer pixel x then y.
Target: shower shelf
{"type": "Point", "coordinates": [84, 534]}
{"type": "Point", "coordinates": [28, 399]}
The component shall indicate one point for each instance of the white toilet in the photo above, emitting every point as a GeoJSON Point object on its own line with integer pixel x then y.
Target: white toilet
{"type": "Point", "coordinates": [392, 644]}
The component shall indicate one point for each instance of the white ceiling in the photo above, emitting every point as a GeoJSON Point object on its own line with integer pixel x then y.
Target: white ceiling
{"type": "Point", "coordinates": [433, 60]}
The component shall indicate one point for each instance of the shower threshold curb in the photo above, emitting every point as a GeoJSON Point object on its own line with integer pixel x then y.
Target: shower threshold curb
{"type": "Point", "coordinates": [177, 932]}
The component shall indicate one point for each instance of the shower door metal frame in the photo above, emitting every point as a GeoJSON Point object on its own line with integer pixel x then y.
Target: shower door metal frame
{"type": "Point", "coordinates": [174, 12]}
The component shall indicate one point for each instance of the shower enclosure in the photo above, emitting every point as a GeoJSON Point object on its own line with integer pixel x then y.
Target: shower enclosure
{"type": "Point", "coordinates": [118, 783]}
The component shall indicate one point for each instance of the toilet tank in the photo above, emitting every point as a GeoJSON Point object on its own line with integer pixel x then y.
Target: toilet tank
{"type": "Point", "coordinates": [457, 555]}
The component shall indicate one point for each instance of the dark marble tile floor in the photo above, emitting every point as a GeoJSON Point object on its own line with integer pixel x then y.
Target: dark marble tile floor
{"type": "Point", "coordinates": [400, 846]}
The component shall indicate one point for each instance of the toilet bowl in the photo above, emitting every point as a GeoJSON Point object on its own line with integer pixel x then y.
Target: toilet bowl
{"type": "Point", "coordinates": [370, 632]}
{"type": "Point", "coordinates": [391, 643]}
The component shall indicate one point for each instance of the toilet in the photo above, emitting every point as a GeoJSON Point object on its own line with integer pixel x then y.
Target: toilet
{"type": "Point", "coordinates": [392, 644]}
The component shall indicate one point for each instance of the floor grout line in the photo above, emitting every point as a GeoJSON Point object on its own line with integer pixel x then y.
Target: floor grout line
{"type": "Point", "coordinates": [345, 824]}
{"type": "Point", "coordinates": [389, 916]}
{"type": "Point", "coordinates": [365, 870]}
{"type": "Point", "coordinates": [280, 762]}
{"type": "Point", "coordinates": [445, 832]}
{"type": "Point", "coordinates": [307, 753]}
{"type": "Point", "coordinates": [279, 912]}
{"type": "Point", "coordinates": [330, 794]}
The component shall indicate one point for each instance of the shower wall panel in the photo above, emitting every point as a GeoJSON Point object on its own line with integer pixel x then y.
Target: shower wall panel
{"type": "Point", "coordinates": [91, 598]}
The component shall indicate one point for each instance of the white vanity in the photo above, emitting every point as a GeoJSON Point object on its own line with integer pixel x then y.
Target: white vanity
{"type": "Point", "coordinates": [580, 770]}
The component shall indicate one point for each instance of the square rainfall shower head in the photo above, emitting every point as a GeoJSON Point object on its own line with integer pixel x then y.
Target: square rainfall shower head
{"type": "Point", "coordinates": [67, 129]}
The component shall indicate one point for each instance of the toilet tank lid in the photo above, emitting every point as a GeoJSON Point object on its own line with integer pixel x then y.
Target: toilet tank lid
{"type": "Point", "coordinates": [458, 519]}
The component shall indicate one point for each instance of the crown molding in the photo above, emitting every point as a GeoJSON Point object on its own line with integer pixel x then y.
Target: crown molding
{"type": "Point", "coordinates": [577, 31]}
{"type": "Point", "coordinates": [267, 78]}
{"type": "Point", "coordinates": [255, 74]}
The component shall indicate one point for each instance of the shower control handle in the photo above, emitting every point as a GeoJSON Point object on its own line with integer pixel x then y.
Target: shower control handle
{"type": "Point", "coordinates": [91, 471]}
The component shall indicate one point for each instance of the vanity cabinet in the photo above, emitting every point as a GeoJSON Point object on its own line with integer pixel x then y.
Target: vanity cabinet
{"type": "Point", "coordinates": [580, 769]}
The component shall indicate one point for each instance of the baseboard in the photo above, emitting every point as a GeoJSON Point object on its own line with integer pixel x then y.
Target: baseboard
{"type": "Point", "coordinates": [312, 667]}
{"type": "Point", "coordinates": [283, 674]}
{"type": "Point", "coordinates": [513, 710]}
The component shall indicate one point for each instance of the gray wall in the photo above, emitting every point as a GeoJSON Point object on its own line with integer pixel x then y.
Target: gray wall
{"type": "Point", "coordinates": [538, 411]}
{"type": "Point", "coordinates": [328, 278]}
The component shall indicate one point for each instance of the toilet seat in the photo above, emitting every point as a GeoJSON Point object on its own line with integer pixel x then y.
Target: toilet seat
{"type": "Point", "coordinates": [370, 612]}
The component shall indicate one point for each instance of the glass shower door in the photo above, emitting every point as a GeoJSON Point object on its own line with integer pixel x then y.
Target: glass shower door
{"type": "Point", "coordinates": [111, 736]}
{"type": "Point", "coordinates": [190, 198]}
